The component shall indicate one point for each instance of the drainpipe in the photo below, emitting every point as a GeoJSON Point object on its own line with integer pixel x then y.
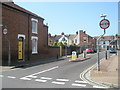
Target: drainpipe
{"type": "Point", "coordinates": [28, 37]}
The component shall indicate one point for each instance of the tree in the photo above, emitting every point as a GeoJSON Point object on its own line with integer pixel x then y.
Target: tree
{"type": "Point", "coordinates": [59, 44]}
{"type": "Point", "coordinates": [65, 44]}
{"type": "Point", "coordinates": [73, 44]}
{"type": "Point", "coordinates": [55, 44]}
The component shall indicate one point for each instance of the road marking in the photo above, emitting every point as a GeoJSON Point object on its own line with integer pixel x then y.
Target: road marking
{"type": "Point", "coordinates": [80, 81]}
{"type": "Point", "coordinates": [39, 80]}
{"type": "Point", "coordinates": [99, 87]}
{"type": "Point", "coordinates": [81, 85]}
{"type": "Point", "coordinates": [62, 83]}
{"type": "Point", "coordinates": [25, 78]}
{"type": "Point", "coordinates": [11, 77]}
{"type": "Point", "coordinates": [1, 76]}
{"type": "Point", "coordinates": [44, 71]}
{"type": "Point", "coordinates": [62, 79]}
{"type": "Point", "coordinates": [33, 75]}
{"type": "Point", "coordinates": [46, 78]}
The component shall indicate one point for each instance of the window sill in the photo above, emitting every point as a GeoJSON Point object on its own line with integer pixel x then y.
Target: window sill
{"type": "Point", "coordinates": [34, 32]}
{"type": "Point", "coordinates": [34, 52]}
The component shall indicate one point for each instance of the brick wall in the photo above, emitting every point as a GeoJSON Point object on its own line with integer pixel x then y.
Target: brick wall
{"type": "Point", "coordinates": [18, 22]}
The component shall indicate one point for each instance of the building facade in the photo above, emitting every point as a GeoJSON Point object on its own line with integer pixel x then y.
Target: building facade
{"type": "Point", "coordinates": [107, 42]}
{"type": "Point", "coordinates": [79, 39]}
{"type": "Point", "coordinates": [27, 34]}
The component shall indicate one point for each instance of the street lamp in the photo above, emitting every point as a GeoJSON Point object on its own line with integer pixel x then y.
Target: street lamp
{"type": "Point", "coordinates": [5, 31]}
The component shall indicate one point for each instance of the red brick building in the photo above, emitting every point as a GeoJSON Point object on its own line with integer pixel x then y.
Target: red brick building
{"type": "Point", "coordinates": [86, 41]}
{"type": "Point", "coordinates": [27, 34]}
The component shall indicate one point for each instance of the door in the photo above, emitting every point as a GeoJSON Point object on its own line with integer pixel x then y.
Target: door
{"type": "Point", "coordinates": [21, 49]}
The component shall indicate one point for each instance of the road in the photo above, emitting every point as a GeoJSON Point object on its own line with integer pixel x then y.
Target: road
{"type": "Point", "coordinates": [59, 74]}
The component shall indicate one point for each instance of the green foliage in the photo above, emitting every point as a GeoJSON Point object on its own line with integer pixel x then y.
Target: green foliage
{"type": "Point", "coordinates": [54, 44]}
{"type": "Point", "coordinates": [59, 44]}
{"type": "Point", "coordinates": [65, 44]}
{"type": "Point", "coordinates": [73, 44]}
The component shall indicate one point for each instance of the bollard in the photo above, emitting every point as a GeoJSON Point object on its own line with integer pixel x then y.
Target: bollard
{"type": "Point", "coordinates": [84, 54]}
{"type": "Point", "coordinates": [106, 55]}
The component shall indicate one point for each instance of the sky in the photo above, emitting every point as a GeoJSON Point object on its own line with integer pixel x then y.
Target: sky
{"type": "Point", "coordinates": [69, 17]}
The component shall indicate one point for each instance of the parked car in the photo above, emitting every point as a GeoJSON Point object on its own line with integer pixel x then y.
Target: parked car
{"type": "Point", "coordinates": [112, 50]}
{"type": "Point", "coordinates": [89, 50]}
{"type": "Point", "coordinates": [94, 50]}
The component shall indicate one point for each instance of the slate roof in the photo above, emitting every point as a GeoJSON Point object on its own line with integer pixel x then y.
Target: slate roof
{"type": "Point", "coordinates": [15, 6]}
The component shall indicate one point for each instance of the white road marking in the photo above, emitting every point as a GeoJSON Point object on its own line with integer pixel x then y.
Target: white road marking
{"type": "Point", "coordinates": [80, 81]}
{"type": "Point", "coordinates": [62, 83]}
{"type": "Point", "coordinates": [39, 80]}
{"type": "Point", "coordinates": [80, 85]}
{"type": "Point", "coordinates": [1, 76]}
{"type": "Point", "coordinates": [11, 77]}
{"type": "Point", "coordinates": [44, 71]}
{"type": "Point", "coordinates": [46, 78]}
{"type": "Point", "coordinates": [99, 87]}
{"type": "Point", "coordinates": [62, 79]}
{"type": "Point", "coordinates": [25, 78]}
{"type": "Point", "coordinates": [33, 75]}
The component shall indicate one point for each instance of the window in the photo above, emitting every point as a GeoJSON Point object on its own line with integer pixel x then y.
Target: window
{"type": "Point", "coordinates": [34, 44]}
{"type": "Point", "coordinates": [85, 39]}
{"type": "Point", "coordinates": [75, 40]}
{"type": "Point", "coordinates": [34, 26]}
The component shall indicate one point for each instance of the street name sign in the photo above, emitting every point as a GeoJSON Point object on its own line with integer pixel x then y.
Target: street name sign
{"type": "Point", "coordinates": [104, 23]}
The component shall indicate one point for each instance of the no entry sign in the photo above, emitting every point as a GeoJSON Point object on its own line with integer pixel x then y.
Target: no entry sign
{"type": "Point", "coordinates": [104, 23]}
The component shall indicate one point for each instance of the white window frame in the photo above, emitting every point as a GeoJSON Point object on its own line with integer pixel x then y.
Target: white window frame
{"type": "Point", "coordinates": [21, 35]}
{"type": "Point", "coordinates": [36, 31]}
{"type": "Point", "coordinates": [36, 51]}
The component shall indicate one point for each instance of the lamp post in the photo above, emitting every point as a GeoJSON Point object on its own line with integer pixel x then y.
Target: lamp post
{"type": "Point", "coordinates": [5, 31]}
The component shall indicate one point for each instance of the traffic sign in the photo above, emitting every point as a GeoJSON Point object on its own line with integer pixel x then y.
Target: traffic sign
{"type": "Point", "coordinates": [104, 23]}
{"type": "Point", "coordinates": [5, 31]}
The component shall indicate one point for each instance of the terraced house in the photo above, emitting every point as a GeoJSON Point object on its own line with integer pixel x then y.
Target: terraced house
{"type": "Point", "coordinates": [27, 34]}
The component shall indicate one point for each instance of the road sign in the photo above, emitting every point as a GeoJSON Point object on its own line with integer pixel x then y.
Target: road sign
{"type": "Point", "coordinates": [5, 31]}
{"type": "Point", "coordinates": [104, 23]}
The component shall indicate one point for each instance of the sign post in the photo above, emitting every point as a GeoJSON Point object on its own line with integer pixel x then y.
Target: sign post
{"type": "Point", "coordinates": [104, 24]}
{"type": "Point", "coordinates": [5, 31]}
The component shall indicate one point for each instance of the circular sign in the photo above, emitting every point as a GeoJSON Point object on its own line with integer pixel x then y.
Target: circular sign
{"type": "Point", "coordinates": [5, 31]}
{"type": "Point", "coordinates": [104, 23]}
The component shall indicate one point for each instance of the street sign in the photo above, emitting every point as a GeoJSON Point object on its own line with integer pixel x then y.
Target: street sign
{"type": "Point", "coordinates": [5, 31]}
{"type": "Point", "coordinates": [104, 23]}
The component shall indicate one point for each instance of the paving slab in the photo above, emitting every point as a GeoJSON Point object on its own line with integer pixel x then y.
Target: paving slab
{"type": "Point", "coordinates": [108, 71]}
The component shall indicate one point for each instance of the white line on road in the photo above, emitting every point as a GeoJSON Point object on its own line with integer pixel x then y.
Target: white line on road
{"type": "Point", "coordinates": [39, 80]}
{"type": "Point", "coordinates": [11, 77]}
{"type": "Point", "coordinates": [80, 85]}
{"type": "Point", "coordinates": [46, 78]}
{"type": "Point", "coordinates": [33, 75]}
{"type": "Point", "coordinates": [42, 71]}
{"type": "Point", "coordinates": [1, 76]}
{"type": "Point", "coordinates": [80, 81]}
{"type": "Point", "coordinates": [62, 83]}
{"type": "Point", "coordinates": [99, 87]}
{"type": "Point", "coordinates": [25, 78]}
{"type": "Point", "coordinates": [62, 79]}
{"type": "Point", "coordinates": [45, 70]}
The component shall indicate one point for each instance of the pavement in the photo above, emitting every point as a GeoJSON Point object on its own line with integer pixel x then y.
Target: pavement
{"type": "Point", "coordinates": [108, 73]}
